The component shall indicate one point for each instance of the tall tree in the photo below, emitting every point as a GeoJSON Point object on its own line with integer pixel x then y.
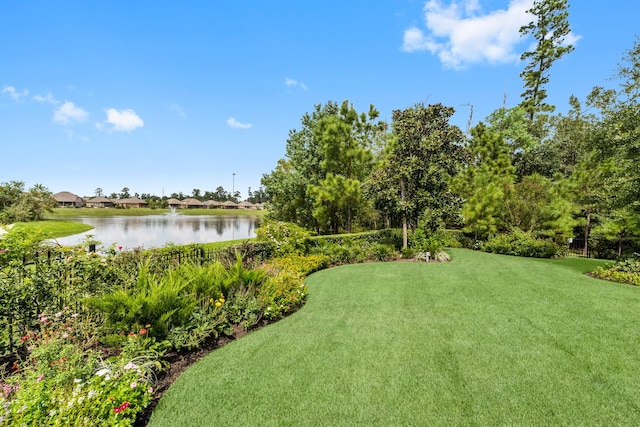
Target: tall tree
{"type": "Point", "coordinates": [287, 185]}
{"type": "Point", "coordinates": [345, 141]}
{"type": "Point", "coordinates": [550, 29]}
{"type": "Point", "coordinates": [424, 152]}
{"type": "Point", "coordinates": [483, 183]}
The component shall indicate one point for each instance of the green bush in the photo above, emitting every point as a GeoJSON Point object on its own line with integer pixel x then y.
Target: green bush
{"type": "Point", "coordinates": [62, 384]}
{"type": "Point", "coordinates": [283, 293]}
{"type": "Point", "coordinates": [392, 237]}
{"type": "Point", "coordinates": [519, 243]}
{"type": "Point", "coordinates": [626, 271]}
{"type": "Point", "coordinates": [423, 242]}
{"type": "Point", "coordinates": [381, 252]}
{"type": "Point", "coordinates": [299, 264]}
{"type": "Point", "coordinates": [283, 236]}
{"type": "Point", "coordinates": [455, 239]}
{"type": "Point", "coordinates": [159, 301]}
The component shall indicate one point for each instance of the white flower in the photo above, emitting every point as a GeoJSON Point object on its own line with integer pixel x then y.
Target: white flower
{"type": "Point", "coordinates": [102, 372]}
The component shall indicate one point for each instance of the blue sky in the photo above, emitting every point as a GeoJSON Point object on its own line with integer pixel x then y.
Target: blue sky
{"type": "Point", "coordinates": [162, 97]}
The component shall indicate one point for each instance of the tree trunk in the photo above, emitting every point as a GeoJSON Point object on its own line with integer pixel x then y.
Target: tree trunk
{"type": "Point", "coordinates": [349, 219]}
{"type": "Point", "coordinates": [404, 216]}
{"type": "Point", "coordinates": [619, 247]}
{"type": "Point", "coordinates": [585, 249]}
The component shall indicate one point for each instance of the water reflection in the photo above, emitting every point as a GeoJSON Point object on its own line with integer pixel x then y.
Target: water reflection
{"type": "Point", "coordinates": [158, 230]}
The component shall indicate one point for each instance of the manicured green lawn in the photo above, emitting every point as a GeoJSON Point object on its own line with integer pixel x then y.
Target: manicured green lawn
{"type": "Point", "coordinates": [483, 340]}
{"type": "Point", "coordinates": [56, 229]}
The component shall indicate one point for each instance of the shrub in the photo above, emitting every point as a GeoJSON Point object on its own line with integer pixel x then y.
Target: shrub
{"type": "Point", "coordinates": [421, 242]}
{"type": "Point", "coordinates": [285, 237]}
{"type": "Point", "coordinates": [381, 252]}
{"type": "Point", "coordinates": [392, 237]}
{"type": "Point", "coordinates": [60, 384]}
{"type": "Point", "coordinates": [285, 291]}
{"type": "Point", "coordinates": [282, 293]}
{"type": "Point", "coordinates": [626, 271]}
{"type": "Point", "coordinates": [455, 239]}
{"type": "Point", "coordinates": [519, 243]}
{"type": "Point", "coordinates": [302, 265]}
{"type": "Point", "coordinates": [159, 301]}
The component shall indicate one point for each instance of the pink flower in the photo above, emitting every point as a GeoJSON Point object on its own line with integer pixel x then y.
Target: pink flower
{"type": "Point", "coordinates": [58, 314]}
{"type": "Point", "coordinates": [119, 248]}
{"type": "Point", "coordinates": [134, 384]}
{"type": "Point", "coordinates": [74, 315]}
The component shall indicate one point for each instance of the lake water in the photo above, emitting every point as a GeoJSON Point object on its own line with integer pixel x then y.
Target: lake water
{"type": "Point", "coordinates": [158, 230]}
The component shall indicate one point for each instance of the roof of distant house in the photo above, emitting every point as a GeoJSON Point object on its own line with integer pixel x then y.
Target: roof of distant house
{"type": "Point", "coordinates": [190, 201]}
{"type": "Point", "coordinates": [100, 199]}
{"type": "Point", "coordinates": [65, 196]}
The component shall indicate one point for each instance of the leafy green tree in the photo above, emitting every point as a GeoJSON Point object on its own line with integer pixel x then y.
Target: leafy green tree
{"type": "Point", "coordinates": [591, 184]}
{"type": "Point", "coordinates": [18, 205]}
{"type": "Point", "coordinates": [287, 185]}
{"type": "Point", "coordinates": [569, 139]}
{"type": "Point", "coordinates": [620, 226]}
{"type": "Point", "coordinates": [412, 180]}
{"type": "Point", "coordinates": [345, 141]}
{"type": "Point", "coordinates": [538, 205]}
{"type": "Point", "coordinates": [10, 193]}
{"type": "Point", "coordinates": [124, 193]}
{"type": "Point", "coordinates": [549, 29]}
{"type": "Point", "coordinates": [483, 183]}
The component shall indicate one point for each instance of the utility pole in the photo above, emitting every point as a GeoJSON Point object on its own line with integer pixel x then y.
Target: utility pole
{"type": "Point", "coordinates": [233, 186]}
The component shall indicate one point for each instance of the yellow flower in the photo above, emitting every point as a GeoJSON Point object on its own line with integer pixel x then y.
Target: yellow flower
{"type": "Point", "coordinates": [218, 304]}
{"type": "Point", "coordinates": [211, 300]}
{"type": "Point", "coordinates": [221, 300]}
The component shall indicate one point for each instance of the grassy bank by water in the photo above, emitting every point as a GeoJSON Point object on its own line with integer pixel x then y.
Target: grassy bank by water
{"type": "Point", "coordinates": [55, 228]}
{"type": "Point", "coordinates": [483, 340]}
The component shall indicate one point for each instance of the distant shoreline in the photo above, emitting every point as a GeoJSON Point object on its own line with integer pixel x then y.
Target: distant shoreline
{"type": "Point", "coordinates": [63, 213]}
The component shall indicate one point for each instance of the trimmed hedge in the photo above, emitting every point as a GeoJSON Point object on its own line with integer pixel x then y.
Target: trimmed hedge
{"type": "Point", "coordinates": [519, 243]}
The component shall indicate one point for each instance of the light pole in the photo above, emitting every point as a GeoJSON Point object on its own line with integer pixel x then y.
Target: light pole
{"type": "Point", "coordinates": [233, 186]}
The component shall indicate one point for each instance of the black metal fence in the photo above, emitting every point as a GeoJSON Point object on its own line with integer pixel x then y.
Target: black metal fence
{"type": "Point", "coordinates": [577, 249]}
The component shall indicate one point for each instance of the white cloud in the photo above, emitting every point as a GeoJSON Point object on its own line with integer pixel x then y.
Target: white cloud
{"type": "Point", "coordinates": [46, 99]}
{"type": "Point", "coordinates": [14, 94]}
{"type": "Point", "coordinates": [294, 83]}
{"type": "Point", "coordinates": [237, 125]}
{"type": "Point", "coordinates": [123, 120]}
{"type": "Point", "coordinates": [461, 33]}
{"type": "Point", "coordinates": [68, 113]}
